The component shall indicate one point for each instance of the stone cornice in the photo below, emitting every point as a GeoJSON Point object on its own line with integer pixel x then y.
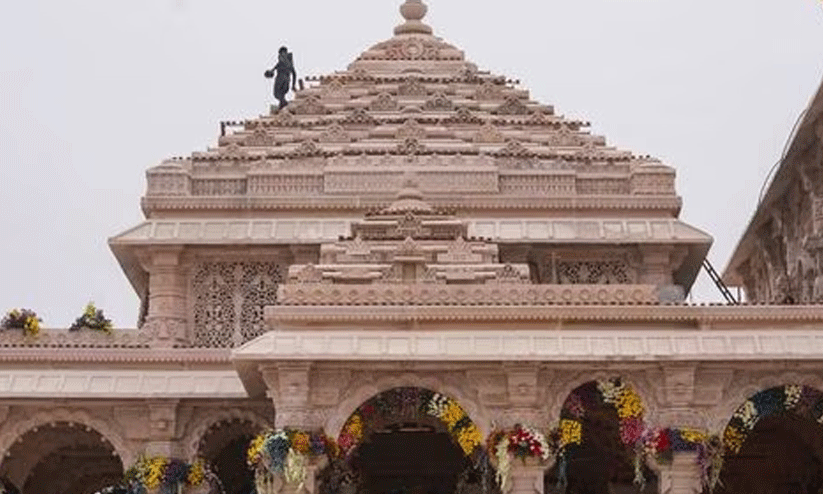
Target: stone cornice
{"type": "Point", "coordinates": [31, 351]}
{"type": "Point", "coordinates": [312, 230]}
{"type": "Point", "coordinates": [495, 294]}
{"type": "Point", "coordinates": [130, 384]}
{"type": "Point", "coordinates": [668, 204]}
{"type": "Point", "coordinates": [530, 345]}
{"type": "Point", "coordinates": [696, 316]}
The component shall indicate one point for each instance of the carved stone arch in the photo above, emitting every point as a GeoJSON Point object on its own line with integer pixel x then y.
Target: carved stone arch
{"type": "Point", "coordinates": [644, 389]}
{"type": "Point", "coordinates": [365, 391]}
{"type": "Point", "coordinates": [600, 445]}
{"type": "Point", "coordinates": [201, 426]}
{"type": "Point", "coordinates": [738, 393]}
{"type": "Point", "coordinates": [106, 428]}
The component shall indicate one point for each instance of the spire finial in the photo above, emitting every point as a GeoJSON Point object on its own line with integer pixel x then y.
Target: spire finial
{"type": "Point", "coordinates": [413, 11]}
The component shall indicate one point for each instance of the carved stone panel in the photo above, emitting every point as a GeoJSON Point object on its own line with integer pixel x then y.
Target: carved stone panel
{"type": "Point", "coordinates": [228, 299]}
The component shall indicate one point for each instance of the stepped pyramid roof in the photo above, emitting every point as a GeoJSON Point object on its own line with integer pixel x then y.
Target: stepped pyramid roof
{"type": "Point", "coordinates": [477, 144]}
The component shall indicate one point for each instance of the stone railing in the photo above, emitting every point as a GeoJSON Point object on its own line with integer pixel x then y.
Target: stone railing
{"type": "Point", "coordinates": [163, 182]}
{"type": "Point", "coordinates": [531, 183]}
{"type": "Point", "coordinates": [488, 294]}
{"type": "Point", "coordinates": [63, 338]}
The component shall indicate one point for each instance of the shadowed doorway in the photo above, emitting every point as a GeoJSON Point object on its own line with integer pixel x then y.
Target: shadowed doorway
{"type": "Point", "coordinates": [409, 458]}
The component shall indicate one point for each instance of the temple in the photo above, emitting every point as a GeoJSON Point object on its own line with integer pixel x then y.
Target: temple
{"type": "Point", "coordinates": [420, 265]}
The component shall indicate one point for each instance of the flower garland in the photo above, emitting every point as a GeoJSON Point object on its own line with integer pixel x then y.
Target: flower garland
{"type": "Point", "coordinates": [409, 402]}
{"type": "Point", "coordinates": [800, 400]}
{"type": "Point", "coordinates": [661, 444]}
{"type": "Point", "coordinates": [519, 442]}
{"type": "Point", "coordinates": [24, 319]}
{"type": "Point", "coordinates": [163, 473]}
{"type": "Point", "coordinates": [464, 431]}
{"type": "Point", "coordinates": [92, 318]}
{"type": "Point", "coordinates": [612, 392]}
{"type": "Point", "coordinates": [286, 452]}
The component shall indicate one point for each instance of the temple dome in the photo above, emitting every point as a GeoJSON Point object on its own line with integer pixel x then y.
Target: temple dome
{"type": "Point", "coordinates": [476, 142]}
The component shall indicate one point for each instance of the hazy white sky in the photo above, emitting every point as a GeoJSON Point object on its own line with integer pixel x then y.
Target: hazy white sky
{"type": "Point", "coordinates": [93, 92]}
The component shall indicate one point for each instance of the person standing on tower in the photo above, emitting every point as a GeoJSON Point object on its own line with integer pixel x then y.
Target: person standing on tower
{"type": "Point", "coordinates": [283, 74]}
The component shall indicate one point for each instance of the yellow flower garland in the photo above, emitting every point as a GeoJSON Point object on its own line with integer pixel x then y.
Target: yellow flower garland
{"type": "Point", "coordinates": [355, 426]}
{"type": "Point", "coordinates": [693, 435]}
{"type": "Point", "coordinates": [452, 414]}
{"type": "Point", "coordinates": [154, 472]}
{"type": "Point", "coordinates": [197, 473]}
{"type": "Point", "coordinates": [255, 449]}
{"type": "Point", "coordinates": [469, 438]}
{"type": "Point", "coordinates": [301, 442]}
{"type": "Point", "coordinates": [629, 404]}
{"type": "Point", "coordinates": [571, 432]}
{"type": "Point", "coordinates": [733, 439]}
{"type": "Point", "coordinates": [31, 326]}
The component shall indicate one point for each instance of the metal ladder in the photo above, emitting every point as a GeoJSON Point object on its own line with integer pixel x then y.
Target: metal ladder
{"type": "Point", "coordinates": [727, 294]}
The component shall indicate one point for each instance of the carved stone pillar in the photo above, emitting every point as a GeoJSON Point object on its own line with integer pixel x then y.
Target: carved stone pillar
{"type": "Point", "coordinates": [656, 268]}
{"type": "Point", "coordinates": [686, 391]}
{"type": "Point", "coordinates": [277, 484]}
{"type": "Point", "coordinates": [166, 316]}
{"type": "Point", "coordinates": [526, 478]}
{"type": "Point", "coordinates": [522, 388]}
{"type": "Point", "coordinates": [289, 386]}
{"type": "Point", "coordinates": [304, 254]}
{"type": "Point", "coordinates": [682, 476]}
{"type": "Point", "coordinates": [162, 437]}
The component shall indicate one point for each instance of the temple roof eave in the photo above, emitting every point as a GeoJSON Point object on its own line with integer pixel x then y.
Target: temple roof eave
{"type": "Point", "coordinates": [561, 315]}
{"type": "Point", "coordinates": [786, 174]}
{"type": "Point", "coordinates": [664, 205]}
{"type": "Point", "coordinates": [555, 346]}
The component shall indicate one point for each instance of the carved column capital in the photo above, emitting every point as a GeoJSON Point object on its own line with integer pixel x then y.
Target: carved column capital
{"type": "Point", "coordinates": [679, 382]}
{"type": "Point", "coordinates": [656, 267]}
{"type": "Point", "coordinates": [166, 315]}
{"type": "Point", "coordinates": [526, 477]}
{"type": "Point", "coordinates": [162, 428]}
{"type": "Point", "coordinates": [682, 476]}
{"type": "Point", "coordinates": [522, 384]}
{"type": "Point", "coordinates": [289, 387]}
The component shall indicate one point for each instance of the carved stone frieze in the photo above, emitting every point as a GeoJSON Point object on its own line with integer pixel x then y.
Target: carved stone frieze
{"type": "Point", "coordinates": [335, 88]}
{"type": "Point", "coordinates": [489, 91]}
{"type": "Point", "coordinates": [464, 116]}
{"type": "Point", "coordinates": [311, 105]}
{"type": "Point", "coordinates": [411, 146]}
{"type": "Point", "coordinates": [384, 102]}
{"type": "Point", "coordinates": [413, 87]}
{"type": "Point", "coordinates": [259, 138]}
{"type": "Point", "coordinates": [439, 102]}
{"type": "Point", "coordinates": [335, 133]}
{"type": "Point", "coordinates": [359, 116]}
{"type": "Point", "coordinates": [411, 129]}
{"type": "Point", "coordinates": [512, 106]}
{"type": "Point", "coordinates": [227, 300]}
{"type": "Point", "coordinates": [489, 133]}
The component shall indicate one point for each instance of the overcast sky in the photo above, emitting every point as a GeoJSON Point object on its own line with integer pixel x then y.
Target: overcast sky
{"type": "Point", "coordinates": [93, 92]}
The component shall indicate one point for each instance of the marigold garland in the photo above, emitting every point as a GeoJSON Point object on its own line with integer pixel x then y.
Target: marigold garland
{"type": "Point", "coordinates": [519, 442]}
{"type": "Point", "coordinates": [613, 392]}
{"type": "Point", "coordinates": [24, 319]}
{"type": "Point", "coordinates": [92, 318]}
{"type": "Point", "coordinates": [151, 473]}
{"type": "Point", "coordinates": [571, 432]}
{"type": "Point", "coordinates": [407, 402]}
{"type": "Point", "coordinates": [286, 452]}
{"type": "Point", "coordinates": [792, 398]}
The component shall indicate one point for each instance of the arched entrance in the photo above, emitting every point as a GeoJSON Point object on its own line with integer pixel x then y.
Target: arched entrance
{"type": "Point", "coordinates": [224, 447]}
{"type": "Point", "coordinates": [411, 441]}
{"type": "Point", "coordinates": [600, 423]}
{"type": "Point", "coordinates": [62, 458]}
{"type": "Point", "coordinates": [774, 444]}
